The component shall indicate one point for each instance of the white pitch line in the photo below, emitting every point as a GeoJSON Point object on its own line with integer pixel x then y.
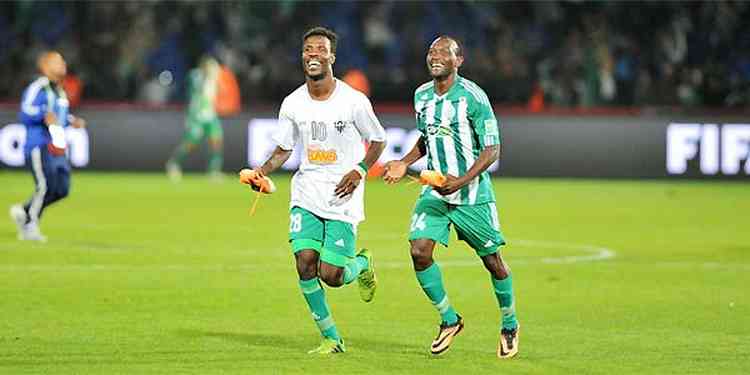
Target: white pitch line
{"type": "Point", "coordinates": [592, 253]}
{"type": "Point", "coordinates": [406, 264]}
{"type": "Point", "coordinates": [706, 265]}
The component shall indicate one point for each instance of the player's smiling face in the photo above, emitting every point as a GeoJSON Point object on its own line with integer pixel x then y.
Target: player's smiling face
{"type": "Point", "coordinates": [317, 57]}
{"type": "Point", "coordinates": [442, 58]}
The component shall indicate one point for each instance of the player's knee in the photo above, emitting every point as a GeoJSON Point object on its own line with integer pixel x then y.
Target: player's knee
{"type": "Point", "coordinates": [55, 193]}
{"type": "Point", "coordinates": [498, 273]}
{"type": "Point", "coordinates": [495, 266]}
{"type": "Point", "coordinates": [420, 256]}
{"type": "Point", "coordinates": [332, 278]}
{"type": "Point", "coordinates": [307, 264]}
{"type": "Point", "coordinates": [216, 144]}
{"type": "Point", "coordinates": [306, 271]}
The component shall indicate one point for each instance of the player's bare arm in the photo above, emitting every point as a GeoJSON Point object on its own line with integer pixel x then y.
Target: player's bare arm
{"type": "Point", "coordinates": [350, 181]}
{"type": "Point", "coordinates": [396, 169]}
{"type": "Point", "coordinates": [277, 158]}
{"type": "Point", "coordinates": [452, 183]}
{"type": "Point", "coordinates": [50, 118]}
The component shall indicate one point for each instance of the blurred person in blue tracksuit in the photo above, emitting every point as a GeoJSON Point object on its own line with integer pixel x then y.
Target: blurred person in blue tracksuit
{"type": "Point", "coordinates": [44, 112]}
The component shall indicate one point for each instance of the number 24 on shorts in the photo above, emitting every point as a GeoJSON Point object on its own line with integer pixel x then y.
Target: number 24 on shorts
{"type": "Point", "coordinates": [417, 222]}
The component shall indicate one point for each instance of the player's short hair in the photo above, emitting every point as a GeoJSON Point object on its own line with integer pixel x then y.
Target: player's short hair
{"type": "Point", "coordinates": [324, 32]}
{"type": "Point", "coordinates": [45, 55]}
{"type": "Point", "coordinates": [460, 50]}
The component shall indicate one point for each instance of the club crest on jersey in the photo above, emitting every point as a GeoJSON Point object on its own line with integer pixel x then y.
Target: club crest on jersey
{"type": "Point", "coordinates": [316, 155]}
{"type": "Point", "coordinates": [340, 126]}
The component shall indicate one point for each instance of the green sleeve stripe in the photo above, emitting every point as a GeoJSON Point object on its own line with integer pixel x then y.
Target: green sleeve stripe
{"type": "Point", "coordinates": [423, 87]}
{"type": "Point", "coordinates": [476, 92]}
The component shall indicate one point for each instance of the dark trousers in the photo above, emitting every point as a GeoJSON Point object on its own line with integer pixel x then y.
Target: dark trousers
{"type": "Point", "coordinates": [52, 177]}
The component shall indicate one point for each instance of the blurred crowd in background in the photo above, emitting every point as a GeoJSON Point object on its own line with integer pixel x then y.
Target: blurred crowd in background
{"type": "Point", "coordinates": [559, 53]}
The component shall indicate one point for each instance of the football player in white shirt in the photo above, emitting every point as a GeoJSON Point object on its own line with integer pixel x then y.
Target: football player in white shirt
{"type": "Point", "coordinates": [329, 120]}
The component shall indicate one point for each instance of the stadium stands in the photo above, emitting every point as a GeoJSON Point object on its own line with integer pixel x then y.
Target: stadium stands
{"type": "Point", "coordinates": [579, 53]}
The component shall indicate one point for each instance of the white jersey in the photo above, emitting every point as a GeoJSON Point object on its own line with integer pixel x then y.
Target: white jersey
{"type": "Point", "coordinates": [331, 133]}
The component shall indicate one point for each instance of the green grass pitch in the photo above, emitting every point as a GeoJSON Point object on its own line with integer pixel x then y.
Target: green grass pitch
{"type": "Point", "coordinates": [144, 276]}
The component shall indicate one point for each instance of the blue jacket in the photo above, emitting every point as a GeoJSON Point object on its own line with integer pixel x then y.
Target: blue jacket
{"type": "Point", "coordinates": [35, 103]}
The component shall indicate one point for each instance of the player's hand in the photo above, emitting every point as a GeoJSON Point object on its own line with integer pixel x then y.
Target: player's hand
{"type": "Point", "coordinates": [56, 151]}
{"type": "Point", "coordinates": [261, 180]}
{"type": "Point", "coordinates": [257, 181]}
{"type": "Point", "coordinates": [78, 122]}
{"type": "Point", "coordinates": [259, 172]}
{"type": "Point", "coordinates": [348, 183]}
{"type": "Point", "coordinates": [394, 171]}
{"type": "Point", "coordinates": [451, 185]}
{"type": "Point", "coordinates": [50, 118]}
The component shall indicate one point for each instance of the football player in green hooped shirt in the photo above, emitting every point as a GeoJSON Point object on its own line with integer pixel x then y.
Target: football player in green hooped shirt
{"type": "Point", "coordinates": [202, 121]}
{"type": "Point", "coordinates": [461, 139]}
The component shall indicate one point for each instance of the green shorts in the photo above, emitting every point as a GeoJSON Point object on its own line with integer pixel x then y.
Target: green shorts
{"type": "Point", "coordinates": [195, 130]}
{"type": "Point", "coordinates": [334, 240]}
{"type": "Point", "coordinates": [477, 225]}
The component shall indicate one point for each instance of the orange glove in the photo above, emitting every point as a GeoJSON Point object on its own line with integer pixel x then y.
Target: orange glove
{"type": "Point", "coordinates": [257, 182]}
{"type": "Point", "coordinates": [433, 178]}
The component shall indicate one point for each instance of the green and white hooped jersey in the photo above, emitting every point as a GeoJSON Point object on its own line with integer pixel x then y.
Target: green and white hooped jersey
{"type": "Point", "coordinates": [456, 127]}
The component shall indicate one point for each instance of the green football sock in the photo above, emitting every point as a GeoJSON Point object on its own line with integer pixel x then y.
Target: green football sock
{"type": "Point", "coordinates": [504, 294]}
{"type": "Point", "coordinates": [180, 153]}
{"type": "Point", "coordinates": [431, 281]}
{"type": "Point", "coordinates": [215, 160]}
{"type": "Point", "coordinates": [353, 268]}
{"type": "Point", "coordinates": [316, 301]}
